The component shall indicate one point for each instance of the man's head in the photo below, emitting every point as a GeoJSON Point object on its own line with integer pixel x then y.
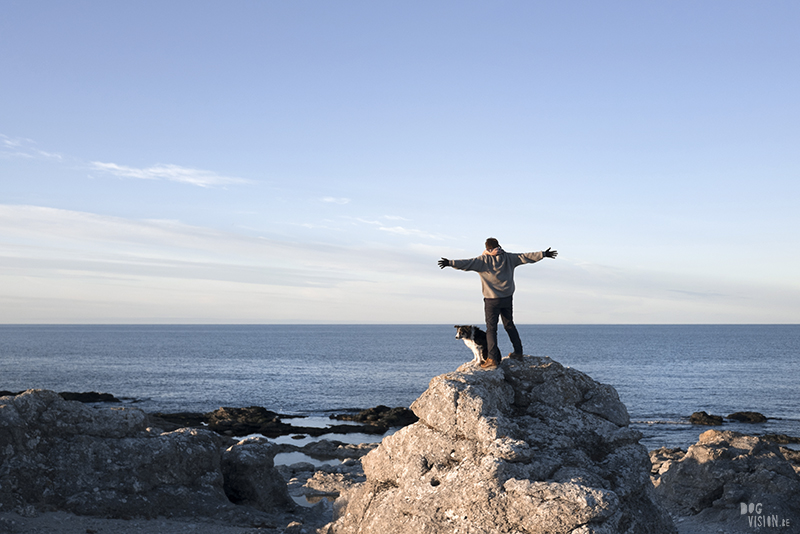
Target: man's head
{"type": "Point", "coordinates": [491, 243]}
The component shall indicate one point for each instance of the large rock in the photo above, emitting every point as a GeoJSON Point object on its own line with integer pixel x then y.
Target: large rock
{"type": "Point", "coordinates": [531, 447]}
{"type": "Point", "coordinates": [725, 470]}
{"type": "Point", "coordinates": [250, 477]}
{"type": "Point", "coordinates": [58, 454]}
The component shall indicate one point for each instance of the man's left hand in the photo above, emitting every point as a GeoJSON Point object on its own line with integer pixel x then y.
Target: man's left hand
{"type": "Point", "coordinates": [550, 253]}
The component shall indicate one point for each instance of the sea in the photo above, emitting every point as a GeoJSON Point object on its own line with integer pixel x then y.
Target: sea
{"type": "Point", "coordinates": [663, 373]}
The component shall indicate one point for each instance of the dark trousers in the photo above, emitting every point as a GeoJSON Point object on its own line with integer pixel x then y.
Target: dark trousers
{"type": "Point", "coordinates": [495, 309]}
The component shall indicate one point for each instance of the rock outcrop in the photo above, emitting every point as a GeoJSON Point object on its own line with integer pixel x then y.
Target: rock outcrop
{"type": "Point", "coordinates": [250, 478]}
{"type": "Point", "coordinates": [382, 417]}
{"type": "Point", "coordinates": [722, 472]}
{"type": "Point", "coordinates": [703, 418]}
{"type": "Point", "coordinates": [781, 438]}
{"type": "Point", "coordinates": [86, 396]}
{"type": "Point", "coordinates": [64, 455]}
{"type": "Point", "coordinates": [748, 417]}
{"type": "Point", "coordinates": [257, 420]}
{"type": "Point", "coordinates": [532, 447]}
{"type": "Point", "coordinates": [662, 459]}
{"type": "Point", "coordinates": [315, 483]}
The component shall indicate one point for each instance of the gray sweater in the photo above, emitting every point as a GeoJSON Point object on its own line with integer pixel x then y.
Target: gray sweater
{"type": "Point", "coordinates": [497, 272]}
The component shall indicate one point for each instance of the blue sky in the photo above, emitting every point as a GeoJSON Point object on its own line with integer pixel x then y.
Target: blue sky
{"type": "Point", "coordinates": [309, 162]}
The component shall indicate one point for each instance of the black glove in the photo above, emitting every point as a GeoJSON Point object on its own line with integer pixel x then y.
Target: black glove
{"type": "Point", "coordinates": [444, 262]}
{"type": "Point", "coordinates": [550, 253]}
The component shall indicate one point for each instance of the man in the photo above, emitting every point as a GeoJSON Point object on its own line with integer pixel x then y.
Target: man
{"type": "Point", "coordinates": [496, 269]}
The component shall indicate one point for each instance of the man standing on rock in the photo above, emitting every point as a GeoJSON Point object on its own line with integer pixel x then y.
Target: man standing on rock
{"type": "Point", "coordinates": [496, 269]}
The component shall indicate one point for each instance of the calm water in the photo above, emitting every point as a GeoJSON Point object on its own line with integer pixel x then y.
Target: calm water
{"type": "Point", "coordinates": [662, 373]}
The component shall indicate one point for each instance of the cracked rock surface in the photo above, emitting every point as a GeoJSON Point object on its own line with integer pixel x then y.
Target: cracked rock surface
{"type": "Point", "coordinates": [531, 447]}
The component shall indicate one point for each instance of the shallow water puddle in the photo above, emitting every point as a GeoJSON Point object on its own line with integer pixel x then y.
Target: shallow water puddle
{"type": "Point", "coordinates": [311, 500]}
{"type": "Point", "coordinates": [290, 458]}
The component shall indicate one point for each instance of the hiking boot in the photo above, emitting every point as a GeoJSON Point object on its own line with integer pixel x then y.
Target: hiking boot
{"type": "Point", "coordinates": [489, 364]}
{"type": "Point", "coordinates": [515, 356]}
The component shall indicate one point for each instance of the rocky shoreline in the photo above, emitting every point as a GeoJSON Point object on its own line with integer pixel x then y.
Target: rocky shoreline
{"type": "Point", "coordinates": [377, 420]}
{"type": "Point", "coordinates": [543, 441]}
{"type": "Point", "coordinates": [240, 422]}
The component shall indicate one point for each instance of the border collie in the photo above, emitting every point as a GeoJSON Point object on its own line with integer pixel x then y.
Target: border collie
{"type": "Point", "coordinates": [475, 339]}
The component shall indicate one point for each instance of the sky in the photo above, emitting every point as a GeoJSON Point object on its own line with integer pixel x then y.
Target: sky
{"type": "Point", "coordinates": [310, 161]}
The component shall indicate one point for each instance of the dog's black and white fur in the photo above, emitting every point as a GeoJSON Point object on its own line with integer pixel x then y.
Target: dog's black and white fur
{"type": "Point", "coordinates": [475, 339]}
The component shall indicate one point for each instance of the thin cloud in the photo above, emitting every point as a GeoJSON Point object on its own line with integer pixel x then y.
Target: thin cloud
{"type": "Point", "coordinates": [9, 142]}
{"type": "Point", "coordinates": [335, 200]}
{"type": "Point", "coordinates": [173, 173]}
{"type": "Point", "coordinates": [366, 221]}
{"type": "Point", "coordinates": [701, 294]}
{"type": "Point", "coordinates": [101, 244]}
{"type": "Point", "coordinates": [400, 230]}
{"type": "Point", "coordinates": [20, 147]}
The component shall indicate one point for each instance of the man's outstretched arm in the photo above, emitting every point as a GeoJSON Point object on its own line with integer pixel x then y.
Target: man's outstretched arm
{"type": "Point", "coordinates": [550, 253]}
{"type": "Point", "coordinates": [473, 264]}
{"type": "Point", "coordinates": [532, 257]}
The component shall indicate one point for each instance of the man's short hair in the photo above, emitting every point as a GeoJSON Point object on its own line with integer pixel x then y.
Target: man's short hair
{"type": "Point", "coordinates": [491, 243]}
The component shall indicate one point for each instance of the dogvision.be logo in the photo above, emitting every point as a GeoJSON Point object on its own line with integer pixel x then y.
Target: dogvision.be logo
{"type": "Point", "coordinates": [756, 517]}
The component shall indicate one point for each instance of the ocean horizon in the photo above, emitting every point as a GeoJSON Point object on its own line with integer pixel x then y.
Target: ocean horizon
{"type": "Point", "coordinates": [663, 373]}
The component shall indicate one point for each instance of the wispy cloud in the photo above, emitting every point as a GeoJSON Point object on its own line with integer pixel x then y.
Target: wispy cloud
{"type": "Point", "coordinates": [335, 200]}
{"type": "Point", "coordinates": [20, 147]}
{"type": "Point", "coordinates": [398, 230]}
{"type": "Point", "coordinates": [401, 230]}
{"type": "Point", "coordinates": [367, 221]}
{"type": "Point", "coordinates": [702, 294]}
{"type": "Point", "coordinates": [46, 237]}
{"type": "Point", "coordinates": [173, 173]}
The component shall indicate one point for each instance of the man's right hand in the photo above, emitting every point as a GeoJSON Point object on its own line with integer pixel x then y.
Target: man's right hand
{"type": "Point", "coordinates": [550, 253]}
{"type": "Point", "coordinates": [444, 262]}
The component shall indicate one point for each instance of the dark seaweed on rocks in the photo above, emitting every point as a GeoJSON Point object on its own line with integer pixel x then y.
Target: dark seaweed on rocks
{"type": "Point", "coordinates": [703, 418]}
{"type": "Point", "coordinates": [748, 417]}
{"type": "Point", "coordinates": [172, 421]}
{"type": "Point", "coordinates": [783, 439]}
{"type": "Point", "coordinates": [381, 416]}
{"type": "Point", "coordinates": [257, 420]}
{"type": "Point", "coordinates": [86, 396]}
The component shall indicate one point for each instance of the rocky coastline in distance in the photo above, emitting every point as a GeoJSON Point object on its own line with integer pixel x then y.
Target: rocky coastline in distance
{"type": "Point", "coordinates": [550, 449]}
